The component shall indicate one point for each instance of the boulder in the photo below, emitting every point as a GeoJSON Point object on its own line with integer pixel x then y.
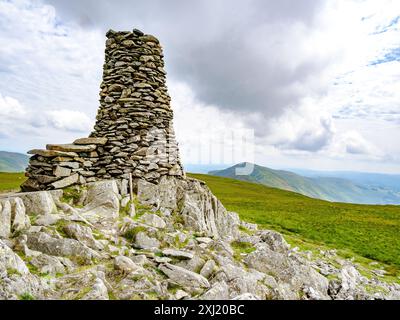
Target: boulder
{"type": "Point", "coordinates": [140, 260]}
{"type": "Point", "coordinates": [98, 291]}
{"type": "Point", "coordinates": [5, 219]}
{"type": "Point", "coordinates": [60, 247]}
{"type": "Point", "coordinates": [9, 261]}
{"type": "Point", "coordinates": [143, 241]}
{"type": "Point", "coordinates": [38, 203]}
{"type": "Point", "coordinates": [219, 291]}
{"type": "Point", "coordinates": [20, 221]}
{"type": "Point", "coordinates": [102, 199]}
{"type": "Point", "coordinates": [81, 233]}
{"type": "Point", "coordinates": [47, 220]}
{"type": "Point", "coordinates": [195, 264]}
{"type": "Point", "coordinates": [125, 264]}
{"type": "Point", "coordinates": [274, 240]}
{"type": "Point", "coordinates": [208, 269]}
{"type": "Point", "coordinates": [154, 221]}
{"type": "Point", "coordinates": [46, 264]}
{"type": "Point", "coordinates": [178, 254]}
{"type": "Point", "coordinates": [183, 277]}
{"type": "Point", "coordinates": [288, 269]}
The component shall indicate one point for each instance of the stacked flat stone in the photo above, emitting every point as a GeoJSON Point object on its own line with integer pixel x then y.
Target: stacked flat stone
{"type": "Point", "coordinates": [63, 165]}
{"type": "Point", "coordinates": [133, 134]}
{"type": "Point", "coordinates": [135, 114]}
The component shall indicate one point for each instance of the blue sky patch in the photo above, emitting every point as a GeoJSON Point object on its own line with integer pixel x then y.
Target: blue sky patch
{"type": "Point", "coordinates": [393, 55]}
{"type": "Point", "coordinates": [386, 28]}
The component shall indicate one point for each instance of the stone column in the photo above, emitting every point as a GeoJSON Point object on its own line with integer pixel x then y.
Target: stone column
{"type": "Point", "coordinates": [135, 113]}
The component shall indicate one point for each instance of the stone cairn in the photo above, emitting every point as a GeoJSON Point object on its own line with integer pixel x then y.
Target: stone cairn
{"type": "Point", "coordinates": [133, 135]}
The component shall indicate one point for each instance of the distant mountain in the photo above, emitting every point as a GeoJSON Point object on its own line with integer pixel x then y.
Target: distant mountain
{"type": "Point", "coordinates": [203, 168]}
{"type": "Point", "coordinates": [326, 188]}
{"type": "Point", "coordinates": [365, 178]}
{"type": "Point", "coordinates": [13, 162]}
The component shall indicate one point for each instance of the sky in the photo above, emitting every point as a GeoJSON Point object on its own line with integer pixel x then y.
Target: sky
{"type": "Point", "coordinates": [311, 84]}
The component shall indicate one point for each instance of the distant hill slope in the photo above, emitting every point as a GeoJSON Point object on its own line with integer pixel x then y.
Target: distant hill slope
{"type": "Point", "coordinates": [326, 188]}
{"type": "Point", "coordinates": [13, 162]}
{"type": "Point", "coordinates": [391, 181]}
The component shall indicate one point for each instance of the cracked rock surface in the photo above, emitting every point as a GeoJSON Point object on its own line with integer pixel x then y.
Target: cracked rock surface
{"type": "Point", "coordinates": [173, 240]}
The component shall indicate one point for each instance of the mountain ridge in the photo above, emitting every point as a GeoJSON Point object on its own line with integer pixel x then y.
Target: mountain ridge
{"type": "Point", "coordinates": [328, 188]}
{"type": "Point", "coordinates": [13, 161]}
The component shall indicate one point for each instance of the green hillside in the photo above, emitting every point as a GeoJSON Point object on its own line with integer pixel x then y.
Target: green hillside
{"type": "Point", "coordinates": [13, 162]}
{"type": "Point", "coordinates": [370, 231]}
{"type": "Point", "coordinates": [325, 188]}
{"type": "Point", "coordinates": [11, 181]}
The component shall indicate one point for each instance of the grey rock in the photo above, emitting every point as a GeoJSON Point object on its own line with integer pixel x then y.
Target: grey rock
{"type": "Point", "coordinates": [71, 147]}
{"type": "Point", "coordinates": [178, 254]}
{"type": "Point", "coordinates": [183, 277]}
{"type": "Point", "coordinates": [60, 247]}
{"type": "Point", "coordinates": [274, 240]}
{"type": "Point", "coordinates": [180, 294]}
{"type": "Point", "coordinates": [98, 292]}
{"type": "Point", "coordinates": [20, 221]}
{"type": "Point", "coordinates": [204, 240]}
{"type": "Point", "coordinates": [46, 264]}
{"type": "Point", "coordinates": [195, 264]}
{"type": "Point", "coordinates": [95, 141]}
{"type": "Point", "coordinates": [52, 153]}
{"type": "Point", "coordinates": [47, 220]}
{"type": "Point", "coordinates": [11, 261]}
{"type": "Point", "coordinates": [71, 165]}
{"type": "Point", "coordinates": [62, 172]}
{"type": "Point", "coordinates": [140, 260]}
{"type": "Point", "coordinates": [154, 221]}
{"type": "Point", "coordinates": [288, 269]}
{"type": "Point", "coordinates": [125, 264]}
{"type": "Point", "coordinates": [143, 241]}
{"type": "Point", "coordinates": [208, 269]}
{"type": "Point", "coordinates": [81, 233]}
{"type": "Point", "coordinates": [66, 182]}
{"type": "Point", "coordinates": [247, 296]}
{"type": "Point", "coordinates": [38, 203]}
{"type": "Point", "coordinates": [102, 199]}
{"type": "Point", "coordinates": [5, 219]}
{"type": "Point", "coordinates": [162, 259]}
{"type": "Point", "coordinates": [219, 291]}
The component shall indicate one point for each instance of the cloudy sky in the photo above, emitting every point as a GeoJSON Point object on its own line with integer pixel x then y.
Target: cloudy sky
{"type": "Point", "coordinates": [316, 81]}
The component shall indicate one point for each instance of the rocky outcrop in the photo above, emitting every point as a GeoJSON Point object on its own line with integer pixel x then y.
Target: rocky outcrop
{"type": "Point", "coordinates": [180, 244]}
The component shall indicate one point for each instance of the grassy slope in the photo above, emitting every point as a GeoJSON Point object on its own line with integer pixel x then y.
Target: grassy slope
{"type": "Point", "coordinates": [370, 231]}
{"type": "Point", "coordinates": [10, 181]}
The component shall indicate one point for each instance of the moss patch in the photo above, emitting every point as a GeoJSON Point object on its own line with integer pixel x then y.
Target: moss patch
{"type": "Point", "coordinates": [131, 233]}
{"type": "Point", "coordinates": [240, 248]}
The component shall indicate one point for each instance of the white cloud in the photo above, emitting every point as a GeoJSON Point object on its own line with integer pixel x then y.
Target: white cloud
{"type": "Point", "coordinates": [48, 64]}
{"type": "Point", "coordinates": [10, 108]}
{"type": "Point", "coordinates": [207, 135]}
{"type": "Point", "coordinates": [52, 71]}
{"type": "Point", "coordinates": [70, 120]}
{"type": "Point", "coordinates": [353, 143]}
{"type": "Point", "coordinates": [305, 128]}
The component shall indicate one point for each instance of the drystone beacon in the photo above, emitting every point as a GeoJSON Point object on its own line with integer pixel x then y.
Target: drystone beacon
{"type": "Point", "coordinates": [133, 133]}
